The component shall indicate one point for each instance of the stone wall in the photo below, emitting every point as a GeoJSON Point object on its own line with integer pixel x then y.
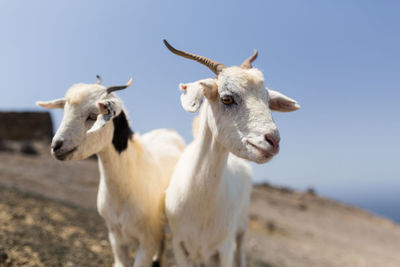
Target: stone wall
{"type": "Point", "coordinates": [18, 126]}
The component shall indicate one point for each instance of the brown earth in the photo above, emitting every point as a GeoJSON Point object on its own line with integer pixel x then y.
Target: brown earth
{"type": "Point", "coordinates": [25, 125]}
{"type": "Point", "coordinates": [48, 218]}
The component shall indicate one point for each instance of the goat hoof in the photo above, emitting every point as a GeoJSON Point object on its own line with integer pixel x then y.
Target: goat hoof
{"type": "Point", "coordinates": [156, 264]}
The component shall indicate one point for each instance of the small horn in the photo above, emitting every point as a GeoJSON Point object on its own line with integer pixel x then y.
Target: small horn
{"type": "Point", "coordinates": [214, 66]}
{"type": "Point", "coordinates": [98, 79]}
{"type": "Point", "coordinates": [119, 87]}
{"type": "Point", "coordinates": [247, 63]}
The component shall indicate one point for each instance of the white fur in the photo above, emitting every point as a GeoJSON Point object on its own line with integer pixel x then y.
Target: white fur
{"type": "Point", "coordinates": [132, 183]}
{"type": "Point", "coordinates": [208, 197]}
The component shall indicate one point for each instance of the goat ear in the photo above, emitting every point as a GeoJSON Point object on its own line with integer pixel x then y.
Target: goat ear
{"type": "Point", "coordinates": [210, 88]}
{"type": "Point", "coordinates": [193, 93]}
{"type": "Point", "coordinates": [192, 96]}
{"type": "Point", "coordinates": [52, 104]}
{"type": "Point", "coordinates": [109, 109]}
{"type": "Point", "coordinates": [280, 102]}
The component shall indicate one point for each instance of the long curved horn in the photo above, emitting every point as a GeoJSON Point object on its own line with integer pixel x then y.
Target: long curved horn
{"type": "Point", "coordinates": [98, 79]}
{"type": "Point", "coordinates": [211, 64]}
{"type": "Point", "coordinates": [247, 63]}
{"type": "Point", "coordinates": [119, 87]}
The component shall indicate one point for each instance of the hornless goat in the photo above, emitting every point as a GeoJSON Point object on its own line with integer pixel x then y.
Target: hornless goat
{"type": "Point", "coordinates": [208, 197]}
{"type": "Point", "coordinates": [134, 170]}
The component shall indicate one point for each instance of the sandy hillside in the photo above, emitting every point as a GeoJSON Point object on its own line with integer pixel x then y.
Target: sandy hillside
{"type": "Point", "coordinates": [48, 218]}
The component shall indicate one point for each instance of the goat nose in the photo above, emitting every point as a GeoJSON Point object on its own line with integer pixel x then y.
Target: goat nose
{"type": "Point", "coordinates": [57, 144]}
{"type": "Point", "coordinates": [273, 139]}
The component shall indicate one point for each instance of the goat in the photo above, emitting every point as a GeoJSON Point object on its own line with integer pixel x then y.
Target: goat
{"type": "Point", "coordinates": [134, 170]}
{"type": "Point", "coordinates": [208, 196]}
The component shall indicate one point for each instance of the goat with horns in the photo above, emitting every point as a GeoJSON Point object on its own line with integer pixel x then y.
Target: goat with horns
{"type": "Point", "coordinates": [134, 170]}
{"type": "Point", "coordinates": [208, 197]}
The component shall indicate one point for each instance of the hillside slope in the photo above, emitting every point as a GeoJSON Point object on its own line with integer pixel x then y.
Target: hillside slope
{"type": "Point", "coordinates": [48, 218]}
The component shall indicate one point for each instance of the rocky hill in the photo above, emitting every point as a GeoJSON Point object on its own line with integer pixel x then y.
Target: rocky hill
{"type": "Point", "coordinates": [19, 126]}
{"type": "Point", "coordinates": [48, 218]}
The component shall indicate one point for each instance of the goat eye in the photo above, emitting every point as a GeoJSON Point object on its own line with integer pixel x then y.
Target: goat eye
{"type": "Point", "coordinates": [227, 100]}
{"type": "Point", "coordinates": [92, 116]}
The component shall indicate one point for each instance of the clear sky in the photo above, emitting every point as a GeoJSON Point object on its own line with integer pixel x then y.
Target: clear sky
{"type": "Point", "coordinates": [339, 59]}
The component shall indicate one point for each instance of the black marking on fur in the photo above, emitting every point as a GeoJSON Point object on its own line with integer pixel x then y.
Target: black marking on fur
{"type": "Point", "coordinates": [155, 264]}
{"type": "Point", "coordinates": [122, 132]}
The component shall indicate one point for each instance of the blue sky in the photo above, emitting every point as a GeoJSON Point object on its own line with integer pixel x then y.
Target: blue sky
{"type": "Point", "coordinates": [339, 59]}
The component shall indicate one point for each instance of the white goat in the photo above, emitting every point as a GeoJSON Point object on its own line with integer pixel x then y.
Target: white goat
{"type": "Point", "coordinates": [208, 196]}
{"type": "Point", "coordinates": [134, 170]}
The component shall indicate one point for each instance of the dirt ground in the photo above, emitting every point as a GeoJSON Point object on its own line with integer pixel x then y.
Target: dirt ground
{"type": "Point", "coordinates": [35, 231]}
{"type": "Point", "coordinates": [48, 218]}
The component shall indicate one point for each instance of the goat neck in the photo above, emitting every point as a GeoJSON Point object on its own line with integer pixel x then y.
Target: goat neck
{"type": "Point", "coordinates": [212, 155]}
{"type": "Point", "coordinates": [118, 169]}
